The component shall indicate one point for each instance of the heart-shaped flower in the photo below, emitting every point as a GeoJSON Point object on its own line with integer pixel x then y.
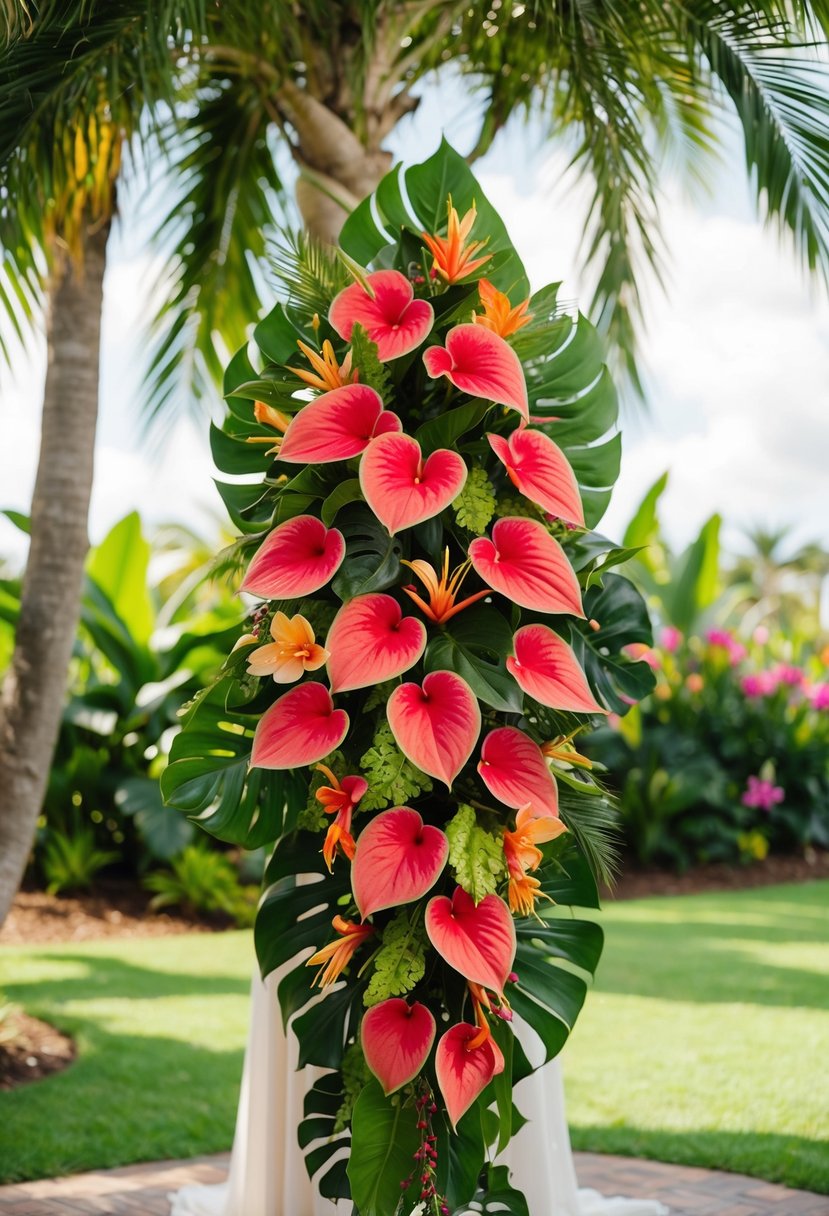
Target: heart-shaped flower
{"type": "Point", "coordinates": [478, 940]}
{"type": "Point", "coordinates": [541, 471]}
{"type": "Point", "coordinates": [513, 768]}
{"type": "Point", "coordinates": [371, 641]}
{"type": "Point", "coordinates": [437, 724]}
{"type": "Point", "coordinates": [482, 364]}
{"type": "Point", "coordinates": [337, 426]}
{"type": "Point", "coordinates": [390, 315]}
{"type": "Point", "coordinates": [401, 487]}
{"type": "Point", "coordinates": [546, 669]}
{"type": "Point", "coordinates": [298, 729]}
{"type": "Point", "coordinates": [524, 563]}
{"type": "Point", "coordinates": [298, 558]}
{"type": "Point", "coordinates": [397, 1038]}
{"type": "Point", "coordinates": [398, 859]}
{"type": "Point", "coordinates": [464, 1071]}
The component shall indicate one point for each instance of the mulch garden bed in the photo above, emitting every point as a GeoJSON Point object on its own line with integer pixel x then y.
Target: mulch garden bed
{"type": "Point", "coordinates": [639, 883]}
{"type": "Point", "coordinates": [30, 1049]}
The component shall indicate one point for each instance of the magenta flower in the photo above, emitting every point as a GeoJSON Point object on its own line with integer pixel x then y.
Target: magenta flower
{"type": "Point", "coordinates": [820, 696]}
{"type": "Point", "coordinates": [670, 639]}
{"type": "Point", "coordinates": [762, 794]}
{"type": "Point", "coordinates": [726, 641]}
{"type": "Point", "coordinates": [761, 684]}
{"type": "Point", "coordinates": [787, 673]}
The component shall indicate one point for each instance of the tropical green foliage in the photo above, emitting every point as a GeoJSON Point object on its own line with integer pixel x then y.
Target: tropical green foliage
{"type": "Point", "coordinates": [201, 881]}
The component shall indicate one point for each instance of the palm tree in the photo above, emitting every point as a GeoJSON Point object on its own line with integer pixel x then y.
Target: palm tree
{"type": "Point", "coordinates": [778, 582]}
{"type": "Point", "coordinates": [619, 83]}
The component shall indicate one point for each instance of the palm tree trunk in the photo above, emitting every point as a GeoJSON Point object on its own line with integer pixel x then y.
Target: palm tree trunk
{"type": "Point", "coordinates": [32, 697]}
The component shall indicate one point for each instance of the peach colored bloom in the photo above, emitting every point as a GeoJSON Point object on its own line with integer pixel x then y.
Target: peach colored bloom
{"type": "Point", "coordinates": [327, 373]}
{"type": "Point", "coordinates": [523, 854]}
{"type": "Point", "coordinates": [339, 799]}
{"type": "Point", "coordinates": [292, 652]}
{"type": "Point", "coordinates": [442, 591]}
{"type": "Point", "coordinates": [498, 314]}
{"type": "Point", "coordinates": [338, 954]}
{"type": "Point", "coordinates": [454, 258]}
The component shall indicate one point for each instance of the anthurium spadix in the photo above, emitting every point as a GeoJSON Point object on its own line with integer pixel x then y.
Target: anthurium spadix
{"type": "Point", "coordinates": [296, 559]}
{"type": "Point", "coordinates": [336, 426]}
{"type": "Point", "coordinates": [464, 1067]}
{"type": "Point", "coordinates": [396, 1038]}
{"type": "Point", "coordinates": [544, 666]}
{"type": "Point", "coordinates": [388, 312]}
{"type": "Point", "coordinates": [370, 641]}
{"type": "Point", "coordinates": [540, 470]}
{"type": "Point", "coordinates": [525, 564]}
{"type": "Point", "coordinates": [401, 487]}
{"type": "Point", "coordinates": [482, 364]}
{"type": "Point", "coordinates": [513, 768]}
{"type": "Point", "coordinates": [436, 724]}
{"type": "Point", "coordinates": [397, 860]}
{"type": "Point", "coordinates": [478, 940]}
{"type": "Point", "coordinates": [300, 728]}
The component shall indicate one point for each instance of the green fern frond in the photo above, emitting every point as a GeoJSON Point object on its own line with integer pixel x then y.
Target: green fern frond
{"type": "Point", "coordinates": [307, 272]}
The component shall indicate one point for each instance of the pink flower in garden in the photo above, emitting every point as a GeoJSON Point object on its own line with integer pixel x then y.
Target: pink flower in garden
{"type": "Point", "coordinates": [670, 639]}
{"type": "Point", "coordinates": [644, 654]}
{"type": "Point", "coordinates": [760, 684]}
{"type": "Point", "coordinates": [819, 696]}
{"type": "Point", "coordinates": [725, 640]}
{"type": "Point", "coordinates": [762, 794]}
{"type": "Point", "coordinates": [787, 673]}
{"type": "Point", "coordinates": [760, 635]}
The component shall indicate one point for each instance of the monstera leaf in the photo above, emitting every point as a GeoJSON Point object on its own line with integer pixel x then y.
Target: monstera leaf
{"type": "Point", "coordinates": [322, 1106]}
{"type": "Point", "coordinates": [620, 612]}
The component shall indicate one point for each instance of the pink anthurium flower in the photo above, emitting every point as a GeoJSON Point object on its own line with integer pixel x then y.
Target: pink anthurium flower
{"type": "Point", "coordinates": [336, 426]}
{"type": "Point", "coordinates": [540, 470]}
{"type": "Point", "coordinates": [397, 1038]}
{"type": "Point", "coordinates": [546, 669]}
{"type": "Point", "coordinates": [437, 724]}
{"type": "Point", "coordinates": [524, 563]}
{"type": "Point", "coordinates": [298, 558]}
{"type": "Point", "coordinates": [482, 364]}
{"type": "Point", "coordinates": [390, 315]}
{"type": "Point", "coordinates": [300, 728]}
{"type": "Point", "coordinates": [513, 768]}
{"type": "Point", "coordinates": [371, 641]}
{"type": "Point", "coordinates": [402, 488]}
{"type": "Point", "coordinates": [465, 1064]}
{"type": "Point", "coordinates": [398, 858]}
{"type": "Point", "coordinates": [478, 940]}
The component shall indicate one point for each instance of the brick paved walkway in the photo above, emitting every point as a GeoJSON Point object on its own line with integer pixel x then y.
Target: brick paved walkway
{"type": "Point", "coordinates": [141, 1190]}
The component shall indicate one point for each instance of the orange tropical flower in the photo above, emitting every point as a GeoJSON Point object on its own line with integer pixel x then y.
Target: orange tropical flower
{"type": "Point", "coordinates": [337, 954]}
{"type": "Point", "coordinates": [522, 854]}
{"type": "Point", "coordinates": [442, 591]}
{"type": "Point", "coordinates": [454, 258]}
{"type": "Point", "coordinates": [327, 373]}
{"type": "Point", "coordinates": [562, 750]}
{"type": "Point", "coordinates": [339, 799]}
{"type": "Point", "coordinates": [292, 652]}
{"type": "Point", "coordinates": [268, 416]}
{"type": "Point", "coordinates": [498, 314]}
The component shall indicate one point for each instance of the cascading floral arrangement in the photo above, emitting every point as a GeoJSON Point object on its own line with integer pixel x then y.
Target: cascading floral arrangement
{"type": "Point", "coordinates": [436, 624]}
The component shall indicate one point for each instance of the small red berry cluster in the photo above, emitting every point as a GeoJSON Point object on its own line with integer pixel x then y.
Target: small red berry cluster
{"type": "Point", "coordinates": [426, 1157]}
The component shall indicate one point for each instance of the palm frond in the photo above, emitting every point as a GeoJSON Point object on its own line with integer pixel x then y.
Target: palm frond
{"type": "Point", "coordinates": [593, 820]}
{"type": "Point", "coordinates": [307, 271]}
{"type": "Point", "coordinates": [226, 202]}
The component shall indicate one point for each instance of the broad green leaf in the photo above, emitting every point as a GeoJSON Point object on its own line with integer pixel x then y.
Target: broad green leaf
{"type": "Point", "coordinates": [443, 431]}
{"type": "Point", "coordinates": [345, 493]}
{"type": "Point", "coordinates": [694, 584]}
{"type": "Point", "coordinates": [643, 528]}
{"type": "Point", "coordinates": [497, 1198]}
{"type": "Point", "coordinates": [620, 612]}
{"type": "Point", "coordinates": [384, 1138]}
{"type": "Point", "coordinates": [119, 566]}
{"type": "Point", "coordinates": [250, 507]}
{"type": "Point", "coordinates": [372, 557]}
{"type": "Point", "coordinates": [276, 336]}
{"type": "Point", "coordinates": [163, 829]}
{"type": "Point", "coordinates": [235, 456]}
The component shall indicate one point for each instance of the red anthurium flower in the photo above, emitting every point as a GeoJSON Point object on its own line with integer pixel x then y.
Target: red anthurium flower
{"type": "Point", "coordinates": [327, 373]}
{"type": "Point", "coordinates": [541, 471]}
{"type": "Point", "coordinates": [465, 1066]}
{"type": "Point", "coordinates": [337, 426]}
{"type": "Point", "coordinates": [513, 768]}
{"type": "Point", "coordinates": [397, 1038]}
{"type": "Point", "coordinates": [437, 724]}
{"type": "Point", "coordinates": [298, 729]}
{"type": "Point", "coordinates": [478, 940]}
{"type": "Point", "coordinates": [370, 641]}
{"type": "Point", "coordinates": [442, 591]}
{"type": "Point", "coordinates": [524, 563]}
{"type": "Point", "coordinates": [546, 669]}
{"type": "Point", "coordinates": [390, 315]}
{"type": "Point", "coordinates": [402, 488]}
{"type": "Point", "coordinates": [398, 859]}
{"type": "Point", "coordinates": [298, 558]}
{"type": "Point", "coordinates": [522, 853]}
{"type": "Point", "coordinates": [481, 364]}
{"type": "Point", "coordinates": [292, 652]}
{"type": "Point", "coordinates": [498, 314]}
{"type": "Point", "coordinates": [454, 258]}
{"type": "Point", "coordinates": [337, 954]}
{"type": "Point", "coordinates": [339, 799]}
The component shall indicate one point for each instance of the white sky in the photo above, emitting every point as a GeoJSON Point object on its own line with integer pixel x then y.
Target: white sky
{"type": "Point", "coordinates": [737, 358]}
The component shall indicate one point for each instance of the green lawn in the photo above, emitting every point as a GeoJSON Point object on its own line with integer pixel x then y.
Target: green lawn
{"type": "Point", "coordinates": [706, 1041]}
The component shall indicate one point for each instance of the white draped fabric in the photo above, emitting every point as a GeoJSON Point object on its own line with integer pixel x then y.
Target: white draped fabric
{"type": "Point", "coordinates": [267, 1172]}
